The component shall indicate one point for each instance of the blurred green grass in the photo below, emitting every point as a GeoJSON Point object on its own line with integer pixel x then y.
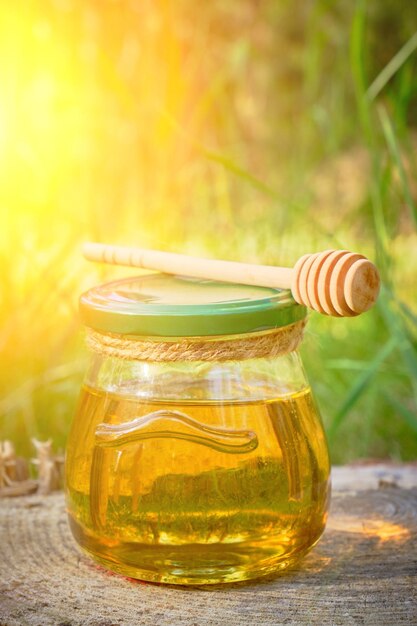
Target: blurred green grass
{"type": "Point", "coordinates": [256, 130]}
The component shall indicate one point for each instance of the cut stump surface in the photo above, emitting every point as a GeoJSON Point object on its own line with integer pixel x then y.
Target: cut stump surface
{"type": "Point", "coordinates": [363, 571]}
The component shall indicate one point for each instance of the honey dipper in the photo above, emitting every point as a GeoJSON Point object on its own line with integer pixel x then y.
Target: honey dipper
{"type": "Point", "coordinates": [333, 282]}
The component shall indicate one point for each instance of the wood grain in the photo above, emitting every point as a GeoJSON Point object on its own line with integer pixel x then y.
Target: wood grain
{"type": "Point", "coordinates": [363, 571]}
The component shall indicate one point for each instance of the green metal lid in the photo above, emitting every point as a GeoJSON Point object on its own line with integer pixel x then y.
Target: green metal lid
{"type": "Point", "coordinates": [162, 305]}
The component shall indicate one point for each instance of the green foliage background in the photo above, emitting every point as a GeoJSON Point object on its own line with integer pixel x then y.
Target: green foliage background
{"type": "Point", "coordinates": [254, 130]}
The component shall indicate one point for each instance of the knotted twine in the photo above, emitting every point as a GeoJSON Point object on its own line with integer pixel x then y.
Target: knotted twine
{"type": "Point", "coordinates": [271, 343]}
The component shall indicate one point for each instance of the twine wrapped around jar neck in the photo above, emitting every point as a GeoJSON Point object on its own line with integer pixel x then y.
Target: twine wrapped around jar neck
{"type": "Point", "coordinates": [270, 343]}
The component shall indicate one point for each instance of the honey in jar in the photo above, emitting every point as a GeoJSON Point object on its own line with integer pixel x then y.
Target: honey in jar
{"type": "Point", "coordinates": [197, 454]}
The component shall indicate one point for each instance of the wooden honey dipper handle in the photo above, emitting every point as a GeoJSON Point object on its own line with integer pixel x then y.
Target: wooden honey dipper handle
{"type": "Point", "coordinates": [334, 282]}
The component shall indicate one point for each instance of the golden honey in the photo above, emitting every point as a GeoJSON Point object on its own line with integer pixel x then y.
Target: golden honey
{"type": "Point", "coordinates": [195, 491]}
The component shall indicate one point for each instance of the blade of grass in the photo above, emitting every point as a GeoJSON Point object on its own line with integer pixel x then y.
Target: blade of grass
{"type": "Point", "coordinates": [392, 67]}
{"type": "Point", "coordinates": [362, 383]}
{"type": "Point", "coordinates": [239, 171]}
{"type": "Point", "coordinates": [409, 417]}
{"type": "Point", "coordinates": [406, 344]}
{"type": "Point", "coordinates": [221, 159]}
{"type": "Point", "coordinates": [408, 313]}
{"type": "Point", "coordinates": [347, 364]}
{"type": "Point", "coordinates": [357, 63]}
{"type": "Point", "coordinates": [394, 150]}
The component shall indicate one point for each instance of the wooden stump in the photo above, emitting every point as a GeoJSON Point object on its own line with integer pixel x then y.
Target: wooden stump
{"type": "Point", "coordinates": [363, 571]}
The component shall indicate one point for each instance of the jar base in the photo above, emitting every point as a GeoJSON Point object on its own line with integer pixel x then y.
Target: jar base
{"type": "Point", "coordinates": [192, 564]}
{"type": "Point", "coordinates": [199, 576]}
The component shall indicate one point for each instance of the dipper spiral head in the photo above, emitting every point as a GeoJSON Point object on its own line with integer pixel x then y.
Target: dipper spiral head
{"type": "Point", "coordinates": [336, 282]}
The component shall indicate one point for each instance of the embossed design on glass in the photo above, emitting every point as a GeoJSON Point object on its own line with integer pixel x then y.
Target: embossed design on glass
{"type": "Point", "coordinates": [160, 424]}
{"type": "Point", "coordinates": [153, 426]}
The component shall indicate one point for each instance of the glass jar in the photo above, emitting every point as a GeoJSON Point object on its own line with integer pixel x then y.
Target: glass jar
{"type": "Point", "coordinates": [197, 454]}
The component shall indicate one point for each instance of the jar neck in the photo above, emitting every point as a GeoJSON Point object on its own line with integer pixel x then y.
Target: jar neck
{"type": "Point", "coordinates": [246, 380]}
{"type": "Point", "coordinates": [269, 343]}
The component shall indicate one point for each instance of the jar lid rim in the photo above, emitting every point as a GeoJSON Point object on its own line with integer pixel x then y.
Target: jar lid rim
{"type": "Point", "coordinates": [163, 305]}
